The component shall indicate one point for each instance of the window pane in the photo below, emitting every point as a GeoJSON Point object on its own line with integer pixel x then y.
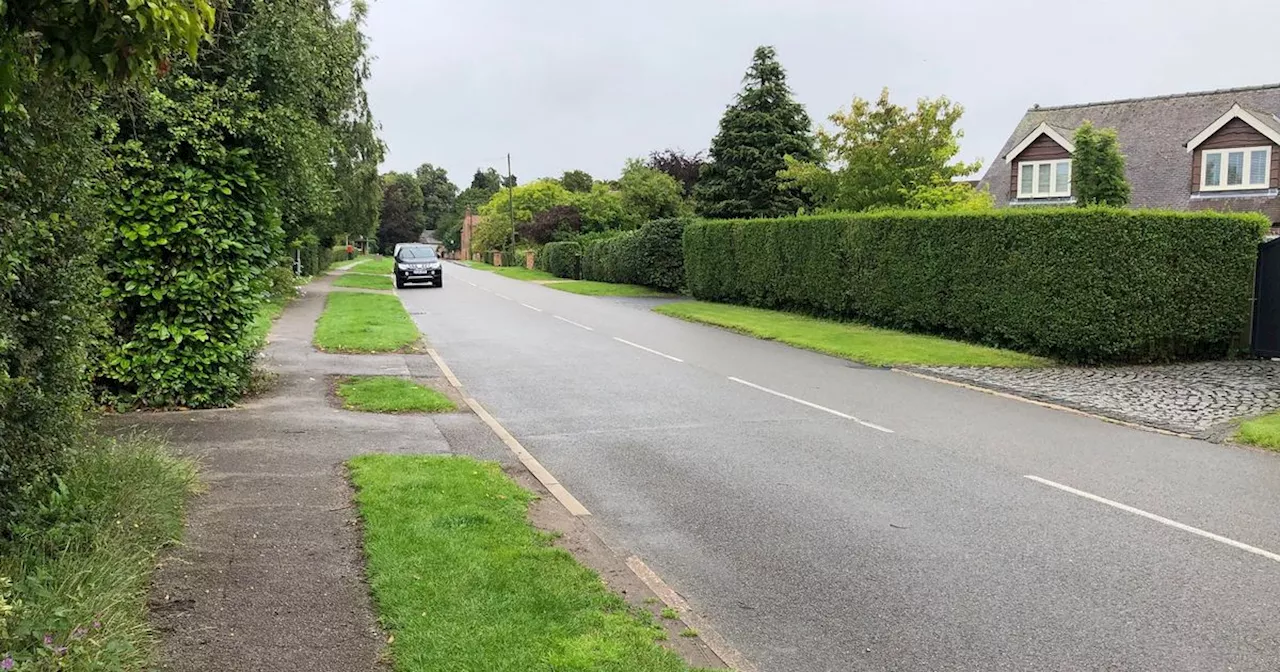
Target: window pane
{"type": "Point", "coordinates": [1212, 169]}
{"type": "Point", "coordinates": [1027, 178]}
{"type": "Point", "coordinates": [1235, 168]}
{"type": "Point", "coordinates": [1258, 166]}
{"type": "Point", "coordinates": [1042, 178]}
{"type": "Point", "coordinates": [1063, 183]}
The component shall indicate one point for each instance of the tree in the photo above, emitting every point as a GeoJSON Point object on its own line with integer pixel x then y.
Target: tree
{"type": "Point", "coordinates": [486, 180]}
{"type": "Point", "coordinates": [401, 220]}
{"type": "Point", "coordinates": [649, 194]}
{"type": "Point", "coordinates": [526, 200]}
{"type": "Point", "coordinates": [878, 156]}
{"type": "Point", "coordinates": [685, 168]}
{"type": "Point", "coordinates": [950, 197]}
{"type": "Point", "coordinates": [602, 209]}
{"type": "Point", "coordinates": [1097, 168]}
{"type": "Point", "coordinates": [577, 181]}
{"type": "Point", "coordinates": [556, 222]}
{"type": "Point", "coordinates": [761, 127]}
{"type": "Point", "coordinates": [438, 194]}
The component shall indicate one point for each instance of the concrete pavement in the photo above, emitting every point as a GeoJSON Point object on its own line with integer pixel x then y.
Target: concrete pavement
{"type": "Point", "coordinates": [828, 516]}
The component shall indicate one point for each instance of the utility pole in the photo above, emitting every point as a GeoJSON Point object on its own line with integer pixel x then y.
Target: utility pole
{"type": "Point", "coordinates": [511, 204]}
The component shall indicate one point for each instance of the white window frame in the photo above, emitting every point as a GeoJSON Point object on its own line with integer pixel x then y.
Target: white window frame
{"type": "Point", "coordinates": [1055, 190]}
{"type": "Point", "coordinates": [1248, 169]}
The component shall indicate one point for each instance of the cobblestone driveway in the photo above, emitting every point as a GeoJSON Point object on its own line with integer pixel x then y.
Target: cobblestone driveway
{"type": "Point", "coordinates": [1189, 398]}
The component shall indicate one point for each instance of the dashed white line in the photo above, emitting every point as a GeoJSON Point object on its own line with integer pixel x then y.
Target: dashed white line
{"type": "Point", "coordinates": [503, 296]}
{"type": "Point", "coordinates": [531, 307]}
{"type": "Point", "coordinates": [580, 326]}
{"type": "Point", "coordinates": [1159, 519]}
{"type": "Point", "coordinates": [485, 289]}
{"type": "Point", "coordinates": [649, 350]}
{"type": "Point", "coordinates": [810, 404]}
{"type": "Point", "coordinates": [470, 283]}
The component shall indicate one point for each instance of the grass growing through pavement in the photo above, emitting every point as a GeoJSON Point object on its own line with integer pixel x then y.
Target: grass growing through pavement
{"type": "Point", "coordinates": [363, 281]}
{"type": "Point", "coordinates": [857, 342]}
{"type": "Point", "coordinates": [359, 322]}
{"type": "Point", "coordinates": [379, 266]}
{"type": "Point", "coordinates": [463, 582]}
{"type": "Point", "coordinates": [387, 394]}
{"type": "Point", "coordinates": [80, 562]}
{"type": "Point", "coordinates": [1263, 431]}
{"type": "Point", "coordinates": [593, 288]}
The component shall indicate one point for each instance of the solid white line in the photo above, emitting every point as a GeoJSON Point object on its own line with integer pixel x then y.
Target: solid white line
{"type": "Point", "coordinates": [810, 404]}
{"type": "Point", "coordinates": [1159, 519]}
{"type": "Point", "coordinates": [580, 326]}
{"type": "Point", "coordinates": [649, 350]}
{"type": "Point", "coordinates": [503, 296]}
{"type": "Point", "coordinates": [531, 307]}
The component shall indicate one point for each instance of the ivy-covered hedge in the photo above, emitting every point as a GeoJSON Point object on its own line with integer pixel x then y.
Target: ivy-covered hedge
{"type": "Point", "coordinates": [651, 256]}
{"type": "Point", "coordinates": [1083, 285]}
{"type": "Point", "coordinates": [563, 260]}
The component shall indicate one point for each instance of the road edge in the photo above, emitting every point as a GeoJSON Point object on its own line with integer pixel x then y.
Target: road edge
{"type": "Point", "coordinates": [708, 634]}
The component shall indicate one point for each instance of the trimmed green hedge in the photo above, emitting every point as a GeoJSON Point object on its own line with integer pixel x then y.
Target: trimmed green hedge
{"type": "Point", "coordinates": [563, 260]}
{"type": "Point", "coordinates": [651, 256]}
{"type": "Point", "coordinates": [1080, 284]}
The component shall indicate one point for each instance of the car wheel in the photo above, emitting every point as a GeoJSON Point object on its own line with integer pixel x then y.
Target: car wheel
{"type": "Point", "coordinates": [399, 283]}
{"type": "Point", "coordinates": [440, 281]}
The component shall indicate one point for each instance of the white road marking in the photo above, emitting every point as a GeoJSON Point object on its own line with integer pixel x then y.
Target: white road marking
{"type": "Point", "coordinates": [649, 350]}
{"type": "Point", "coordinates": [1159, 519]}
{"type": "Point", "coordinates": [810, 404]}
{"type": "Point", "coordinates": [580, 326]}
{"type": "Point", "coordinates": [470, 283]}
{"type": "Point", "coordinates": [531, 307]}
{"type": "Point", "coordinates": [485, 289]}
{"type": "Point", "coordinates": [503, 296]}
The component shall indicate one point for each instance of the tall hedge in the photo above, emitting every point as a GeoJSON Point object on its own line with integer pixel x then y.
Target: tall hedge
{"type": "Point", "coordinates": [563, 260]}
{"type": "Point", "coordinates": [651, 256]}
{"type": "Point", "coordinates": [1083, 285]}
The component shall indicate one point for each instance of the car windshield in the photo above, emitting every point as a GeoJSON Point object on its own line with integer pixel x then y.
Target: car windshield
{"type": "Point", "coordinates": [417, 254]}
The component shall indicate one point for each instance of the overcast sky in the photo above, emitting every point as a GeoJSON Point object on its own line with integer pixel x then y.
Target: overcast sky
{"type": "Point", "coordinates": [584, 84]}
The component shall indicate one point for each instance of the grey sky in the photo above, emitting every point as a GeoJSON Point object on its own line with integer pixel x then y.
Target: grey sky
{"type": "Point", "coordinates": [585, 84]}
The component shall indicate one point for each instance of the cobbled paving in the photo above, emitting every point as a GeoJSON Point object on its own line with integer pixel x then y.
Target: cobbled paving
{"type": "Point", "coordinates": [1188, 398]}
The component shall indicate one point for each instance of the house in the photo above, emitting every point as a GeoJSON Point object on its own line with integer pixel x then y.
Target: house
{"type": "Point", "coordinates": [1214, 150]}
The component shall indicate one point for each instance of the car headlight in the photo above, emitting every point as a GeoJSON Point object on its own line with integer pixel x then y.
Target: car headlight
{"type": "Point", "coordinates": [403, 267]}
{"type": "Point", "coordinates": [434, 264]}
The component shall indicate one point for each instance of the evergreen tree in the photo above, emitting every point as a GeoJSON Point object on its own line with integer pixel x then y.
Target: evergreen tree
{"type": "Point", "coordinates": [761, 127]}
{"type": "Point", "coordinates": [1097, 168]}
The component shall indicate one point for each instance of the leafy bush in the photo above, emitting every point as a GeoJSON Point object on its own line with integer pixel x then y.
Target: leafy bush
{"type": "Point", "coordinates": [560, 219]}
{"type": "Point", "coordinates": [651, 256]}
{"type": "Point", "coordinates": [1086, 285]}
{"type": "Point", "coordinates": [563, 260]}
{"type": "Point", "coordinates": [194, 228]}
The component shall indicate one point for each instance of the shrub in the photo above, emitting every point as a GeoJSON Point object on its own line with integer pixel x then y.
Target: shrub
{"type": "Point", "coordinates": [1085, 285]}
{"type": "Point", "coordinates": [651, 256]}
{"type": "Point", "coordinates": [563, 260]}
{"type": "Point", "coordinates": [560, 219]}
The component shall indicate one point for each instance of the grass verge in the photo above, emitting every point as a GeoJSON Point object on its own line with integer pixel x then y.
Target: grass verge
{"type": "Point", "coordinates": [387, 394]}
{"type": "Point", "coordinates": [850, 340]}
{"type": "Point", "coordinates": [529, 274]}
{"type": "Point", "coordinates": [365, 323]}
{"type": "Point", "coordinates": [463, 582]}
{"type": "Point", "coordinates": [363, 281]}
{"type": "Point", "coordinates": [267, 314]}
{"type": "Point", "coordinates": [1263, 431]}
{"type": "Point", "coordinates": [376, 266]}
{"type": "Point", "coordinates": [594, 288]}
{"type": "Point", "coordinates": [76, 571]}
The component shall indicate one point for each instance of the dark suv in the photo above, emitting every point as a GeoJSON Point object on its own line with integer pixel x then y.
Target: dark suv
{"type": "Point", "coordinates": [418, 263]}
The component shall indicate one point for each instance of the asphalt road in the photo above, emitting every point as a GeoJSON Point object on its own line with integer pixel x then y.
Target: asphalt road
{"type": "Point", "coordinates": [816, 540]}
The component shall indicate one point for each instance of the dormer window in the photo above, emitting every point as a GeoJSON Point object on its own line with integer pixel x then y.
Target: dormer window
{"type": "Point", "coordinates": [1044, 179]}
{"type": "Point", "coordinates": [1243, 168]}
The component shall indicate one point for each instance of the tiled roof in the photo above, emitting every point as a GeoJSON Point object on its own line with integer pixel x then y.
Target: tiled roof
{"type": "Point", "coordinates": [1153, 133]}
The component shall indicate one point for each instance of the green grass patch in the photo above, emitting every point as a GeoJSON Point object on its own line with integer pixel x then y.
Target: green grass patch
{"type": "Point", "coordinates": [594, 288]}
{"type": "Point", "coordinates": [78, 565]}
{"type": "Point", "coordinates": [267, 314]}
{"type": "Point", "coordinates": [518, 273]}
{"type": "Point", "coordinates": [463, 582]}
{"type": "Point", "coordinates": [363, 281]}
{"type": "Point", "coordinates": [850, 340]}
{"type": "Point", "coordinates": [387, 394]}
{"type": "Point", "coordinates": [377, 266]}
{"type": "Point", "coordinates": [368, 323]}
{"type": "Point", "coordinates": [1262, 431]}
